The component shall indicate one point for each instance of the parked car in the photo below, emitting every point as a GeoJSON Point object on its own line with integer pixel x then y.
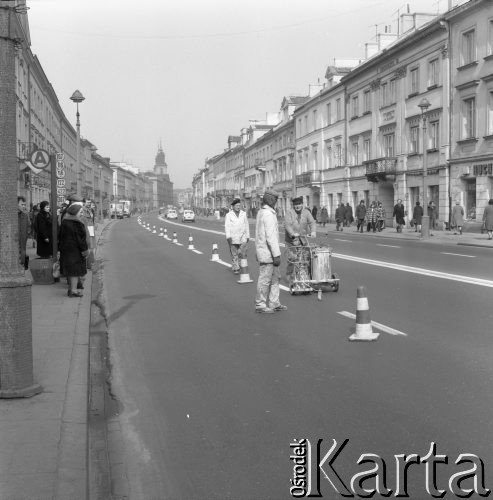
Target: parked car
{"type": "Point", "coordinates": [188, 216]}
{"type": "Point", "coordinates": [172, 214]}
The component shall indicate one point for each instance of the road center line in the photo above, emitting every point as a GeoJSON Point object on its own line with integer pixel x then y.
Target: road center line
{"type": "Point", "coordinates": [391, 246]}
{"type": "Point", "coordinates": [339, 239]}
{"type": "Point", "coordinates": [459, 255]}
{"type": "Point", "coordinates": [384, 328]}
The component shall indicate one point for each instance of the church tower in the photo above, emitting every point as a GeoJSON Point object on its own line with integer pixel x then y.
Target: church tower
{"type": "Point", "coordinates": [161, 167]}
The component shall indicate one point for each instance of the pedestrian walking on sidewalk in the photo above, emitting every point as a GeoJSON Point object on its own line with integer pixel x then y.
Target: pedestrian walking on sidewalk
{"type": "Point", "coordinates": [348, 215]}
{"type": "Point", "coordinates": [23, 230]}
{"type": "Point", "coordinates": [73, 248]}
{"type": "Point", "coordinates": [43, 231]}
{"type": "Point", "coordinates": [488, 219]}
{"type": "Point", "coordinates": [237, 233]}
{"type": "Point", "coordinates": [268, 256]}
{"type": "Point", "coordinates": [372, 217]}
{"type": "Point", "coordinates": [324, 216]}
{"type": "Point", "coordinates": [432, 214]}
{"type": "Point", "coordinates": [340, 217]}
{"type": "Point", "coordinates": [399, 213]}
{"type": "Point", "coordinates": [457, 220]}
{"type": "Point", "coordinates": [417, 217]}
{"type": "Point", "coordinates": [361, 215]}
{"type": "Point", "coordinates": [380, 216]}
{"type": "Point", "coordinates": [314, 213]}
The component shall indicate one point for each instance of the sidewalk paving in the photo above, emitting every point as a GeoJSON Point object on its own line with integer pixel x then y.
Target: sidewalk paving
{"type": "Point", "coordinates": [44, 438]}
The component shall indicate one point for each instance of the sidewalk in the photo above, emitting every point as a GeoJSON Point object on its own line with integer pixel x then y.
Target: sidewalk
{"type": "Point", "coordinates": [44, 438]}
{"type": "Point", "coordinates": [439, 236]}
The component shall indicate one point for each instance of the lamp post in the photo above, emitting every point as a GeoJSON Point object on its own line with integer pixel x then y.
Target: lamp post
{"type": "Point", "coordinates": [100, 193]}
{"type": "Point", "coordinates": [425, 223]}
{"type": "Point", "coordinates": [77, 97]}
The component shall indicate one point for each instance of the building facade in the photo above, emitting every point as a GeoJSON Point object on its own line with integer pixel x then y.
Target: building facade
{"type": "Point", "coordinates": [413, 121]}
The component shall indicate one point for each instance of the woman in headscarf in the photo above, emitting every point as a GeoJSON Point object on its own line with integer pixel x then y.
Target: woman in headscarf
{"type": "Point", "coordinates": [73, 248]}
{"type": "Point", "coordinates": [44, 231]}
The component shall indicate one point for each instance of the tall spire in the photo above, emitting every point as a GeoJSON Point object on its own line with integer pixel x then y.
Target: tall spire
{"type": "Point", "coordinates": [160, 167]}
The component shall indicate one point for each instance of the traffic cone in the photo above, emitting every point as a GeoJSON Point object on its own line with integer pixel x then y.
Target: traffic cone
{"type": "Point", "coordinates": [244, 275]}
{"type": "Point", "coordinates": [165, 235]}
{"type": "Point", "coordinates": [190, 243]}
{"type": "Point", "coordinates": [175, 240]}
{"type": "Point", "coordinates": [215, 253]}
{"type": "Point", "coordinates": [160, 231]}
{"type": "Point", "coordinates": [153, 229]}
{"type": "Point", "coordinates": [363, 323]}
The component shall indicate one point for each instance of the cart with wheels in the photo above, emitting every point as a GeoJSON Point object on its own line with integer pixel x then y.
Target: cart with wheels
{"type": "Point", "coordinates": [312, 269]}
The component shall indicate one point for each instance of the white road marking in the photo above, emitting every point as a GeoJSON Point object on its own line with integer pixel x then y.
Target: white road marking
{"type": "Point", "coordinates": [391, 246]}
{"type": "Point", "coordinates": [285, 288]}
{"type": "Point", "coordinates": [397, 267]}
{"type": "Point", "coordinates": [417, 270]}
{"type": "Point", "coordinates": [384, 328]}
{"type": "Point", "coordinates": [178, 244]}
{"type": "Point", "coordinates": [197, 251]}
{"type": "Point", "coordinates": [227, 264]}
{"type": "Point", "coordinates": [339, 239]}
{"type": "Point", "coordinates": [459, 255]}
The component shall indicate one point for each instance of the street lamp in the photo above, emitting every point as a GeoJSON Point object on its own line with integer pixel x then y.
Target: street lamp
{"type": "Point", "coordinates": [101, 193]}
{"type": "Point", "coordinates": [425, 223]}
{"type": "Point", "coordinates": [77, 97]}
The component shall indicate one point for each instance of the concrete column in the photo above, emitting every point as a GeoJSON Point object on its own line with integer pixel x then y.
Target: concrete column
{"type": "Point", "coordinates": [16, 356]}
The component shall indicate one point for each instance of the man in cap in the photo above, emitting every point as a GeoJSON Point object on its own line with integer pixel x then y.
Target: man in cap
{"type": "Point", "coordinates": [237, 233]}
{"type": "Point", "coordinates": [298, 222]}
{"type": "Point", "coordinates": [268, 256]}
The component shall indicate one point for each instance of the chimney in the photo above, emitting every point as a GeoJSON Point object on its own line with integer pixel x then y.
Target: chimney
{"type": "Point", "coordinates": [371, 48]}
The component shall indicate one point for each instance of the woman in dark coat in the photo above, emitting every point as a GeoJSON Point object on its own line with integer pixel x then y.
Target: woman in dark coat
{"type": "Point", "coordinates": [73, 248]}
{"type": "Point", "coordinates": [44, 231]}
{"type": "Point", "coordinates": [418, 216]}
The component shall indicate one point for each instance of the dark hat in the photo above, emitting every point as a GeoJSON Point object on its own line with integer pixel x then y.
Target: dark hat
{"type": "Point", "coordinates": [270, 197]}
{"type": "Point", "coordinates": [74, 197]}
{"type": "Point", "coordinates": [298, 200]}
{"type": "Point", "coordinates": [235, 201]}
{"type": "Point", "coordinates": [74, 209]}
{"type": "Point", "coordinates": [43, 204]}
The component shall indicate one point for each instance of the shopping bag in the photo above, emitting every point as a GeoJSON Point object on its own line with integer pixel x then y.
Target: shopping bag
{"type": "Point", "coordinates": [56, 269]}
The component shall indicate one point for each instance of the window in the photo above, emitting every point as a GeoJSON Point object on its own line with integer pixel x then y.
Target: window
{"type": "Point", "coordinates": [468, 47]}
{"type": "Point", "coordinates": [338, 110]}
{"type": "Point", "coordinates": [388, 144]}
{"type": "Point", "coordinates": [366, 102]}
{"type": "Point", "coordinates": [315, 159]}
{"type": "Point", "coordinates": [366, 149]}
{"type": "Point", "coordinates": [338, 155]}
{"type": "Point", "coordinates": [414, 81]}
{"type": "Point", "coordinates": [355, 106]}
{"type": "Point", "coordinates": [314, 119]}
{"type": "Point", "coordinates": [392, 92]}
{"type": "Point", "coordinates": [490, 38]}
{"type": "Point", "coordinates": [490, 115]}
{"type": "Point", "coordinates": [355, 152]}
{"type": "Point", "coordinates": [306, 124]}
{"type": "Point", "coordinates": [385, 94]}
{"type": "Point", "coordinates": [414, 139]}
{"type": "Point", "coordinates": [434, 136]}
{"type": "Point", "coordinates": [469, 118]}
{"type": "Point", "coordinates": [433, 74]}
{"type": "Point", "coordinates": [329, 157]}
{"type": "Point", "coordinates": [329, 114]}
{"type": "Point", "coordinates": [299, 127]}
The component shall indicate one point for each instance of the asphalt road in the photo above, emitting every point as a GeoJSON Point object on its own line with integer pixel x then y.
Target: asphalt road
{"type": "Point", "coordinates": [213, 394]}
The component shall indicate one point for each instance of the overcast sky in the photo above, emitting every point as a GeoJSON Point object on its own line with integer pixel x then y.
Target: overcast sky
{"type": "Point", "coordinates": [192, 72]}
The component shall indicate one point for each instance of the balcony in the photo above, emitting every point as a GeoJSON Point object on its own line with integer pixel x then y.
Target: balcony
{"type": "Point", "coordinates": [379, 169]}
{"type": "Point", "coordinates": [259, 164]}
{"type": "Point", "coordinates": [311, 178]}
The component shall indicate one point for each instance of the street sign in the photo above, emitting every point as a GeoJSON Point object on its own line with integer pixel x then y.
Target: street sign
{"type": "Point", "coordinates": [40, 158]}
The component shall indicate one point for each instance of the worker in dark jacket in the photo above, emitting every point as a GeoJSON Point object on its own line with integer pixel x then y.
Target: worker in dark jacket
{"type": "Point", "coordinates": [360, 215]}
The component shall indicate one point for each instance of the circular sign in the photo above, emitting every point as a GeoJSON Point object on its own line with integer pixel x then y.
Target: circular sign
{"type": "Point", "coordinates": [40, 158]}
